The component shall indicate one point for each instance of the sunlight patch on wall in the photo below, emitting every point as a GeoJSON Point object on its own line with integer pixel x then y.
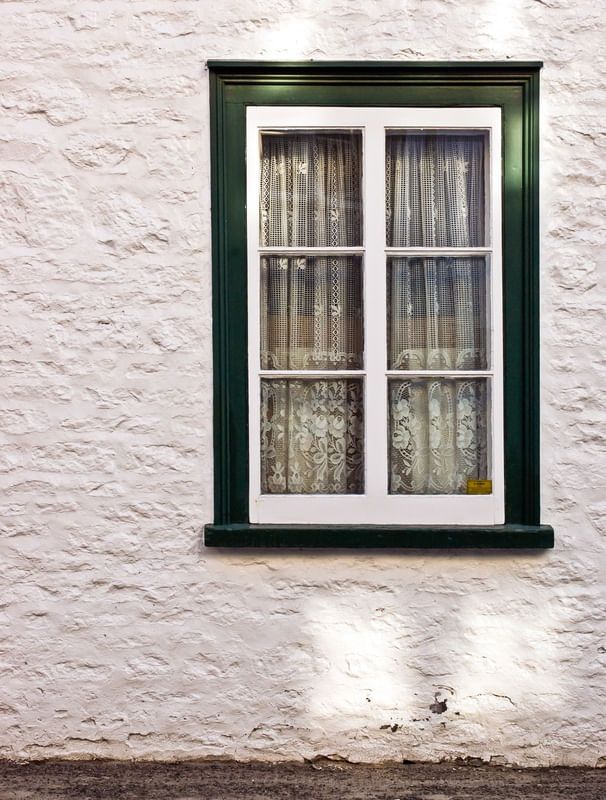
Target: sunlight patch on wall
{"type": "Point", "coordinates": [364, 673]}
{"type": "Point", "coordinates": [291, 38]}
{"type": "Point", "coordinates": [502, 21]}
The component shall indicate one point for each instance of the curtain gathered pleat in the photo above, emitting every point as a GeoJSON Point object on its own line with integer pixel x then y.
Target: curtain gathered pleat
{"type": "Point", "coordinates": [434, 190]}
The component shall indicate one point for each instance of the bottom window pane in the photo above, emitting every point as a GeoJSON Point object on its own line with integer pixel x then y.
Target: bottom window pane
{"type": "Point", "coordinates": [437, 434]}
{"type": "Point", "coordinates": [312, 436]}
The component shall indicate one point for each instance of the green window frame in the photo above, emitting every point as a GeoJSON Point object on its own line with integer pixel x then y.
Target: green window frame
{"type": "Point", "coordinates": [514, 88]}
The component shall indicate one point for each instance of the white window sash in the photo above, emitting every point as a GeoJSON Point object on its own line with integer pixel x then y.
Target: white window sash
{"type": "Point", "coordinates": [376, 506]}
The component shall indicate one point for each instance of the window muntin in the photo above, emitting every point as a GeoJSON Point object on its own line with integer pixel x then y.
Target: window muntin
{"type": "Point", "coordinates": [475, 369]}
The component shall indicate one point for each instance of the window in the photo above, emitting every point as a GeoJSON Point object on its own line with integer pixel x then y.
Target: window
{"type": "Point", "coordinates": [375, 342]}
{"type": "Point", "coordinates": [374, 274]}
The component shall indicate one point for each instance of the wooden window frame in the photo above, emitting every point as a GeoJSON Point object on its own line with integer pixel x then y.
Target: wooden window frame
{"type": "Point", "coordinates": [510, 87]}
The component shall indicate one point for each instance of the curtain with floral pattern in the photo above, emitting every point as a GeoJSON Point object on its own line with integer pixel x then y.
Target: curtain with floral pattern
{"type": "Point", "coordinates": [437, 435]}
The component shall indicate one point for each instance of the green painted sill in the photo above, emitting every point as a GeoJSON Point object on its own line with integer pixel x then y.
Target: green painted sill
{"type": "Point", "coordinates": [486, 537]}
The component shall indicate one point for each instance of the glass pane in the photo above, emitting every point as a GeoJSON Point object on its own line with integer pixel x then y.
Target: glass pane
{"type": "Point", "coordinates": [435, 189]}
{"type": "Point", "coordinates": [437, 434]}
{"type": "Point", "coordinates": [312, 435]}
{"type": "Point", "coordinates": [436, 310]}
{"type": "Point", "coordinates": [311, 313]}
{"type": "Point", "coordinates": [310, 193]}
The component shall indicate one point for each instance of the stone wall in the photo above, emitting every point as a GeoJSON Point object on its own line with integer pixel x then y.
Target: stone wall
{"type": "Point", "coordinates": [121, 635]}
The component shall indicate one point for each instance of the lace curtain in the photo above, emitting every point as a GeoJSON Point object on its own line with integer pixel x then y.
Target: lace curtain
{"type": "Point", "coordinates": [311, 190]}
{"type": "Point", "coordinates": [312, 436]}
{"type": "Point", "coordinates": [437, 436]}
{"type": "Point", "coordinates": [437, 313]}
{"type": "Point", "coordinates": [311, 313]}
{"type": "Point", "coordinates": [434, 190]}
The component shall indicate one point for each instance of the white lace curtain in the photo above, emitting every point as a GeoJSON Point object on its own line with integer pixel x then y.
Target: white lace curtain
{"type": "Point", "coordinates": [437, 435]}
{"type": "Point", "coordinates": [311, 313]}
{"type": "Point", "coordinates": [310, 190]}
{"type": "Point", "coordinates": [434, 190]}
{"type": "Point", "coordinates": [437, 313]}
{"type": "Point", "coordinates": [312, 436]}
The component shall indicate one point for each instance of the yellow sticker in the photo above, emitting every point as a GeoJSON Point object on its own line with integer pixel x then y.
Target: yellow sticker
{"type": "Point", "coordinates": [479, 487]}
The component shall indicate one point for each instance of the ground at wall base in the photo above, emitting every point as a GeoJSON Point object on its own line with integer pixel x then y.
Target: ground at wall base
{"type": "Point", "coordinates": [318, 780]}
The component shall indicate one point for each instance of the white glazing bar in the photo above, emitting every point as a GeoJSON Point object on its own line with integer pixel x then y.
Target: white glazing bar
{"type": "Point", "coordinates": [311, 251]}
{"type": "Point", "coordinates": [438, 252]}
{"type": "Point", "coordinates": [439, 373]}
{"type": "Point", "coordinates": [375, 308]}
{"type": "Point", "coordinates": [312, 373]}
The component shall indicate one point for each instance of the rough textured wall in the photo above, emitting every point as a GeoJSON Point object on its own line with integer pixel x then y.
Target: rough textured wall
{"type": "Point", "coordinates": [121, 635]}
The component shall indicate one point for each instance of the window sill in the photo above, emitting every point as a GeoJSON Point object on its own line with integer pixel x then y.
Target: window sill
{"type": "Point", "coordinates": [485, 537]}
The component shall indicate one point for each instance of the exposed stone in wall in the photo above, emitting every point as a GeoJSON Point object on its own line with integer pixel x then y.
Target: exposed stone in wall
{"type": "Point", "coordinates": [121, 636]}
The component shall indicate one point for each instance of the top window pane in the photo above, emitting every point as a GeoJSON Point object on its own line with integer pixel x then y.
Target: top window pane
{"type": "Point", "coordinates": [435, 189]}
{"type": "Point", "coordinates": [311, 189]}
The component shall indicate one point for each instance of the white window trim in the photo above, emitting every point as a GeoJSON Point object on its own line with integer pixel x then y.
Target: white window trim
{"type": "Point", "coordinates": [376, 506]}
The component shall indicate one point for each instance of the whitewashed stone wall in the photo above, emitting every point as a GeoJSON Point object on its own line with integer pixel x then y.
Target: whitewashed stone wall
{"type": "Point", "coordinates": [121, 636]}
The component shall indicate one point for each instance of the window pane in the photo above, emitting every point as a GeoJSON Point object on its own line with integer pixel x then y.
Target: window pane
{"type": "Point", "coordinates": [312, 436]}
{"type": "Point", "coordinates": [436, 310]}
{"type": "Point", "coordinates": [435, 190]}
{"type": "Point", "coordinates": [437, 435]}
{"type": "Point", "coordinates": [310, 189]}
{"type": "Point", "coordinates": [311, 313]}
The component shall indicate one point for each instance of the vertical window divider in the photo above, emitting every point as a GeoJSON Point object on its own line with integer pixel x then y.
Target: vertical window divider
{"type": "Point", "coordinates": [375, 309]}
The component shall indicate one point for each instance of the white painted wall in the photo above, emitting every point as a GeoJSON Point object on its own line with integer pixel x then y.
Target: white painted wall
{"type": "Point", "coordinates": [121, 636]}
